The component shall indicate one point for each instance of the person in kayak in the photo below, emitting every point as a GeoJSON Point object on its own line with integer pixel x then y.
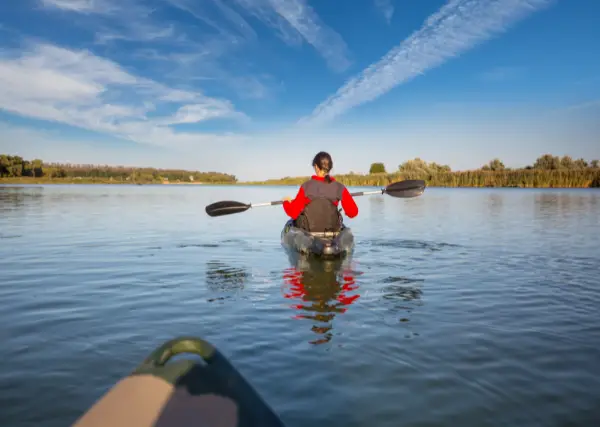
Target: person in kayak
{"type": "Point", "coordinates": [315, 207]}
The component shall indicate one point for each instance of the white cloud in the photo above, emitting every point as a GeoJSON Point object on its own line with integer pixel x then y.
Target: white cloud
{"type": "Point", "coordinates": [202, 66]}
{"type": "Point", "coordinates": [136, 31]}
{"type": "Point", "coordinates": [303, 19]}
{"type": "Point", "coordinates": [112, 20]}
{"type": "Point", "coordinates": [456, 28]}
{"type": "Point", "coordinates": [200, 11]}
{"type": "Point", "coordinates": [175, 50]}
{"type": "Point", "coordinates": [80, 89]}
{"type": "Point", "coordinates": [386, 8]}
{"type": "Point", "coordinates": [81, 6]}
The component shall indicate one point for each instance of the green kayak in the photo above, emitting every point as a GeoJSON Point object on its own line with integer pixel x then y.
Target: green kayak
{"type": "Point", "coordinates": [161, 392]}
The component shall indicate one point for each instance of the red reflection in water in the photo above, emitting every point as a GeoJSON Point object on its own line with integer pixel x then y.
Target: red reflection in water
{"type": "Point", "coordinates": [325, 289]}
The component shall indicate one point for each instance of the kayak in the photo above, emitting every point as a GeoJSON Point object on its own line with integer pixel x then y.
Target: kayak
{"type": "Point", "coordinates": [201, 389]}
{"type": "Point", "coordinates": [326, 245]}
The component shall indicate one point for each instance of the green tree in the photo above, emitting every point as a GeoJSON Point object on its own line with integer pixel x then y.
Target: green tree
{"type": "Point", "coordinates": [436, 168]}
{"type": "Point", "coordinates": [547, 161]}
{"type": "Point", "coordinates": [418, 169]}
{"type": "Point", "coordinates": [494, 165]}
{"type": "Point", "coordinates": [567, 163]}
{"type": "Point", "coordinates": [580, 164]}
{"type": "Point", "coordinates": [4, 165]}
{"type": "Point", "coordinates": [37, 166]}
{"type": "Point", "coordinates": [16, 167]}
{"type": "Point", "coordinates": [595, 164]}
{"type": "Point", "coordinates": [377, 168]}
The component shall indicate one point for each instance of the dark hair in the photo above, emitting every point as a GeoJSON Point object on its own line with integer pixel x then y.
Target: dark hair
{"type": "Point", "coordinates": [324, 162]}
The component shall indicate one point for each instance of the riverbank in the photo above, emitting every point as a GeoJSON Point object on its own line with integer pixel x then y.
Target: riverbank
{"type": "Point", "coordinates": [518, 178]}
{"type": "Point", "coordinates": [69, 181]}
{"type": "Point", "coordinates": [16, 170]}
{"type": "Point", "coordinates": [521, 178]}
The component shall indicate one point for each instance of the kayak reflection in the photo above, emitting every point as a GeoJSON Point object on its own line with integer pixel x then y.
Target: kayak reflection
{"type": "Point", "coordinates": [325, 287]}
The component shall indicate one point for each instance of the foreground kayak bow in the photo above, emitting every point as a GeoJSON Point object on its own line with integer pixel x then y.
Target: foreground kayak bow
{"type": "Point", "coordinates": [184, 392]}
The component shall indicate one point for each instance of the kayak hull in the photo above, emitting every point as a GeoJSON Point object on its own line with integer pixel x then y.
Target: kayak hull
{"type": "Point", "coordinates": [325, 245]}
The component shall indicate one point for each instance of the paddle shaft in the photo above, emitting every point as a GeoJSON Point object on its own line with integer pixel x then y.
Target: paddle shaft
{"type": "Point", "coordinates": [256, 205]}
{"type": "Point", "coordinates": [356, 194]}
{"type": "Point", "coordinates": [280, 202]}
{"type": "Point", "coordinates": [366, 193]}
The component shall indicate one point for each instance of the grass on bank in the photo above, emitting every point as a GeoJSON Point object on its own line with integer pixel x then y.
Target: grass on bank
{"type": "Point", "coordinates": [520, 178]}
{"type": "Point", "coordinates": [95, 180]}
{"type": "Point", "coordinates": [524, 178]}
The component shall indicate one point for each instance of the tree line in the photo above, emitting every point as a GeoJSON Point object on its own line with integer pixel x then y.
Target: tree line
{"type": "Point", "coordinates": [547, 171]}
{"type": "Point", "coordinates": [544, 162]}
{"type": "Point", "coordinates": [17, 167]}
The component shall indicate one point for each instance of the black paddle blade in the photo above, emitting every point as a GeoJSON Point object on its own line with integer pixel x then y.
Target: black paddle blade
{"type": "Point", "coordinates": [406, 189]}
{"type": "Point", "coordinates": [226, 207]}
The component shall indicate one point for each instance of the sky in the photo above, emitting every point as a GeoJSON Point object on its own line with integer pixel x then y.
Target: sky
{"type": "Point", "coordinates": [256, 88]}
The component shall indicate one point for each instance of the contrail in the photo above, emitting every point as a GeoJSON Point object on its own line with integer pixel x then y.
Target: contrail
{"type": "Point", "coordinates": [457, 27]}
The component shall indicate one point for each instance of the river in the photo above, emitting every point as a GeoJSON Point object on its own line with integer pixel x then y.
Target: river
{"type": "Point", "coordinates": [470, 307]}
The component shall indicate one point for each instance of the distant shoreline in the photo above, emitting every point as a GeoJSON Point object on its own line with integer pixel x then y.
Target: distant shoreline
{"type": "Point", "coordinates": [69, 181]}
{"type": "Point", "coordinates": [464, 179]}
{"type": "Point", "coordinates": [547, 171]}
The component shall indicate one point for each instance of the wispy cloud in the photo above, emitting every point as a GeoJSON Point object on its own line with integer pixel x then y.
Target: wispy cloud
{"type": "Point", "coordinates": [175, 50]}
{"type": "Point", "coordinates": [77, 88]}
{"type": "Point", "coordinates": [112, 20]}
{"type": "Point", "coordinates": [135, 31]}
{"type": "Point", "coordinates": [326, 41]}
{"type": "Point", "coordinates": [81, 6]}
{"type": "Point", "coordinates": [386, 8]}
{"type": "Point", "coordinates": [203, 67]}
{"type": "Point", "coordinates": [292, 20]}
{"type": "Point", "coordinates": [456, 28]}
{"type": "Point", "coordinates": [238, 26]}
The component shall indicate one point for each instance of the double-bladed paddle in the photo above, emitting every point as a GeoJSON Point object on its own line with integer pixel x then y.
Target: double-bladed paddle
{"type": "Point", "coordinates": [402, 189]}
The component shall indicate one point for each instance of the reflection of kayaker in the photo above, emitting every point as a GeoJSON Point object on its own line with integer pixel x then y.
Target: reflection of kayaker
{"type": "Point", "coordinates": [324, 287]}
{"type": "Point", "coordinates": [182, 393]}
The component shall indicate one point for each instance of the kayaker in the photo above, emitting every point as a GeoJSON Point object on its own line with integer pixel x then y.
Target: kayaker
{"type": "Point", "coordinates": [315, 207]}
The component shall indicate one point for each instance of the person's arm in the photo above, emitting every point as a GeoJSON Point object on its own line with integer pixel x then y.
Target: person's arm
{"type": "Point", "coordinates": [349, 205]}
{"type": "Point", "coordinates": [294, 208]}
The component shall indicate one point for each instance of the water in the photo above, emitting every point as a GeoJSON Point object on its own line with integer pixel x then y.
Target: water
{"type": "Point", "coordinates": [469, 307]}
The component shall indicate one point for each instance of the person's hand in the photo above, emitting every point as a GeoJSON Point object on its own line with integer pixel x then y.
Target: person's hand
{"type": "Point", "coordinates": [287, 199]}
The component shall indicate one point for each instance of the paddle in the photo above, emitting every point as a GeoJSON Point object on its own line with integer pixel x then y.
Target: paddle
{"type": "Point", "coordinates": [403, 189]}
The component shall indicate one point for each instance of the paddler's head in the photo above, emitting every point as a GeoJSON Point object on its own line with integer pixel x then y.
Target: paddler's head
{"type": "Point", "coordinates": [323, 164]}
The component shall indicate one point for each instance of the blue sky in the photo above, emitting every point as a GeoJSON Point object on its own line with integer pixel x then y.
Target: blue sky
{"type": "Point", "coordinates": [257, 87]}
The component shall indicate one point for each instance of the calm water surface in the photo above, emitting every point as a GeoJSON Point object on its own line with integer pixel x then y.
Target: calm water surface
{"type": "Point", "coordinates": [469, 307]}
